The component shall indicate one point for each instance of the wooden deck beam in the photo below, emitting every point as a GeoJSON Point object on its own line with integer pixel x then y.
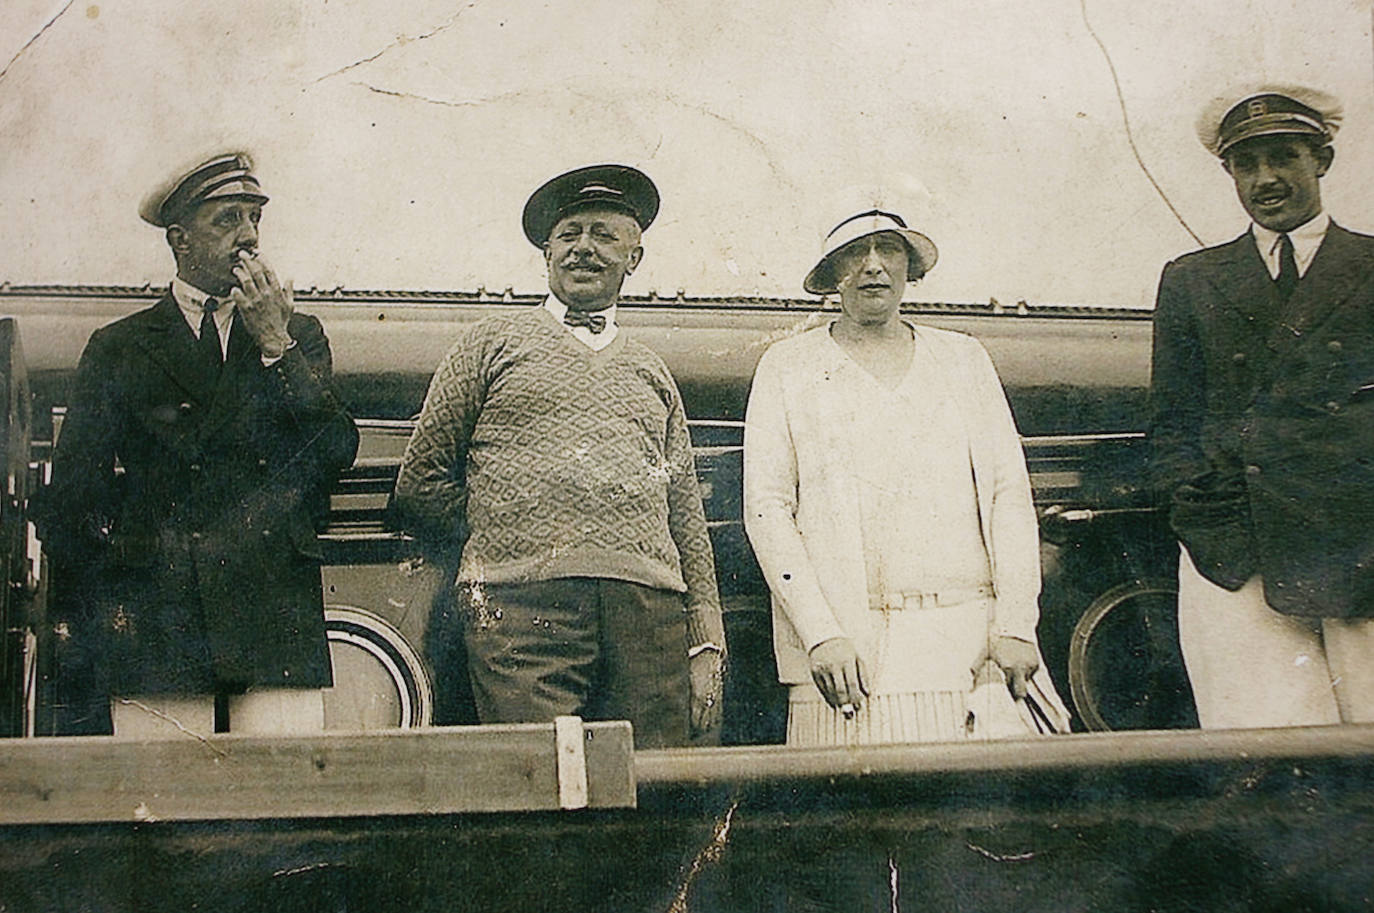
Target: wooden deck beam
{"type": "Point", "coordinates": [398, 772]}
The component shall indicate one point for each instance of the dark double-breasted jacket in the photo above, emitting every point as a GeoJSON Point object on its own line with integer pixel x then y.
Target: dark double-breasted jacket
{"type": "Point", "coordinates": [1262, 422]}
{"type": "Point", "coordinates": [184, 507]}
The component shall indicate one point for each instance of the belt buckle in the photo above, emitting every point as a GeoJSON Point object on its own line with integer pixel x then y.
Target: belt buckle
{"type": "Point", "coordinates": [919, 601]}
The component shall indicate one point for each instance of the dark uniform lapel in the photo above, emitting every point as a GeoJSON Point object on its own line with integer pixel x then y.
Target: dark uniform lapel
{"type": "Point", "coordinates": [169, 343]}
{"type": "Point", "coordinates": [1333, 276]}
{"type": "Point", "coordinates": [1244, 284]}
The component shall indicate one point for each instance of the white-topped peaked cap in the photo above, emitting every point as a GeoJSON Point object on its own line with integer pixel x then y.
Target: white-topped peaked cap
{"type": "Point", "coordinates": [921, 251]}
{"type": "Point", "coordinates": [1267, 109]}
{"type": "Point", "coordinates": [228, 174]}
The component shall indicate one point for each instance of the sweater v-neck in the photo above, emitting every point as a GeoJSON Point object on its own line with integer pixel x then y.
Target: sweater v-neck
{"type": "Point", "coordinates": [572, 344]}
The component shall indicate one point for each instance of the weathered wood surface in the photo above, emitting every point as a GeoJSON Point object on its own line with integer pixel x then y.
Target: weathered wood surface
{"type": "Point", "coordinates": [1077, 754]}
{"type": "Point", "coordinates": [402, 772]}
{"type": "Point", "coordinates": [1186, 821]}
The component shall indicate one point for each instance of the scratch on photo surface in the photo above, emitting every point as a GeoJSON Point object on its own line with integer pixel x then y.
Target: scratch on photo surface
{"type": "Point", "coordinates": [1126, 122]}
{"type": "Point", "coordinates": [175, 722]}
{"type": "Point", "coordinates": [709, 854]}
{"type": "Point", "coordinates": [412, 96]}
{"type": "Point", "coordinates": [658, 469]}
{"type": "Point", "coordinates": [737, 127]}
{"type": "Point", "coordinates": [401, 41]}
{"type": "Point", "coordinates": [520, 96]}
{"type": "Point", "coordinates": [1000, 857]}
{"type": "Point", "coordinates": [36, 35]}
{"type": "Point", "coordinates": [300, 869]}
{"type": "Point", "coordinates": [477, 601]}
{"type": "Point", "coordinates": [892, 881]}
{"type": "Point", "coordinates": [809, 322]}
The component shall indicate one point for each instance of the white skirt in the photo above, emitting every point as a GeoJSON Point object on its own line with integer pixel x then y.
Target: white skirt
{"type": "Point", "coordinates": [921, 664]}
{"type": "Point", "coordinates": [927, 716]}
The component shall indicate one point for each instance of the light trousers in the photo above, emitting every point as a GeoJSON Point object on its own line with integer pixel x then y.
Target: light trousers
{"type": "Point", "coordinates": [260, 711]}
{"type": "Point", "coordinates": [1253, 667]}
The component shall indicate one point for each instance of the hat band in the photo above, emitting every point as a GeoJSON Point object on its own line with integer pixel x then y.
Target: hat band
{"type": "Point", "coordinates": [601, 188]}
{"type": "Point", "coordinates": [872, 213]}
{"type": "Point", "coordinates": [233, 183]}
{"type": "Point", "coordinates": [608, 198]}
{"type": "Point", "coordinates": [1269, 124]}
{"type": "Point", "coordinates": [859, 226]}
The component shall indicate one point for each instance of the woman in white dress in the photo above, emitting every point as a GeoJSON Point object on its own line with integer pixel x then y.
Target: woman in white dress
{"type": "Point", "coordinates": [886, 497]}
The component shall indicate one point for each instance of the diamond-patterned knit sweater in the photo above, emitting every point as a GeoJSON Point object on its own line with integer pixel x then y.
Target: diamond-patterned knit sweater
{"type": "Point", "coordinates": [554, 460]}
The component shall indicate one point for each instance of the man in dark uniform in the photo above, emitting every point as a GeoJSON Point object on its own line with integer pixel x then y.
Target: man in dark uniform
{"type": "Point", "coordinates": [1263, 431]}
{"type": "Point", "coordinates": [190, 477]}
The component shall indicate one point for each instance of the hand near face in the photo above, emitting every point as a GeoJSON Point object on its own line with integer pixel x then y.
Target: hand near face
{"type": "Point", "coordinates": [1018, 658]}
{"type": "Point", "coordinates": [706, 674]}
{"type": "Point", "coordinates": [839, 673]}
{"type": "Point", "coordinates": [263, 304]}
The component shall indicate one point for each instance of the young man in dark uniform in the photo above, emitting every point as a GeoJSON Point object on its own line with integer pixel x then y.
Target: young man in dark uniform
{"type": "Point", "coordinates": [1263, 431]}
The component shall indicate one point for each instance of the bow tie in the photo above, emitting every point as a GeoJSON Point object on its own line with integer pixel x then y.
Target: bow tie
{"type": "Point", "coordinates": [594, 322]}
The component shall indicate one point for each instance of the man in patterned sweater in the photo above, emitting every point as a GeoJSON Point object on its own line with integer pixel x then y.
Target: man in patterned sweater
{"type": "Point", "coordinates": [556, 452]}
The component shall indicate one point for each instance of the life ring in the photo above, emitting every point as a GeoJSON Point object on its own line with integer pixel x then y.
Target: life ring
{"type": "Point", "coordinates": [379, 679]}
{"type": "Point", "coordinates": [1125, 669]}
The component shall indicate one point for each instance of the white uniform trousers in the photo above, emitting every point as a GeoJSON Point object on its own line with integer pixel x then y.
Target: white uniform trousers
{"type": "Point", "coordinates": [1253, 667]}
{"type": "Point", "coordinates": [260, 711]}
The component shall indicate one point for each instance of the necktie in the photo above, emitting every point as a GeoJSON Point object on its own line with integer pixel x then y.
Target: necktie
{"type": "Point", "coordinates": [210, 354]}
{"type": "Point", "coordinates": [1287, 279]}
{"type": "Point", "coordinates": [594, 322]}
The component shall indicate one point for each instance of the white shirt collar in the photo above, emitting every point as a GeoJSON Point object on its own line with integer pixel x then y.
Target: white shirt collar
{"type": "Point", "coordinates": [191, 302]}
{"type": "Point", "coordinates": [597, 341]}
{"type": "Point", "coordinates": [1306, 238]}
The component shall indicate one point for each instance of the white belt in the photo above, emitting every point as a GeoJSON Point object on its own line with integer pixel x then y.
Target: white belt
{"type": "Point", "coordinates": [930, 600]}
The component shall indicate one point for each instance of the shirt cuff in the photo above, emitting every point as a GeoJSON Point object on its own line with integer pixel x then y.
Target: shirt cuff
{"type": "Point", "coordinates": [270, 360]}
{"type": "Point", "coordinates": [705, 626]}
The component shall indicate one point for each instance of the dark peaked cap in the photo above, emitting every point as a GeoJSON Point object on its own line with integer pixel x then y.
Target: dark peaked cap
{"type": "Point", "coordinates": [229, 174]}
{"type": "Point", "coordinates": [618, 186]}
{"type": "Point", "coordinates": [1268, 110]}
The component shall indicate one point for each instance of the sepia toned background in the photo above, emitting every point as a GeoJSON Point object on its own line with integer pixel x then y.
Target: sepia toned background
{"type": "Point", "coordinates": [399, 140]}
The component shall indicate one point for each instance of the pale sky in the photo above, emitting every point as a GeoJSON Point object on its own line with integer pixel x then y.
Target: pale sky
{"type": "Point", "coordinates": [399, 140]}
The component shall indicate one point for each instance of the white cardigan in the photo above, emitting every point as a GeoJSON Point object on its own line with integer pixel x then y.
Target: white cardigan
{"type": "Point", "coordinates": [801, 504]}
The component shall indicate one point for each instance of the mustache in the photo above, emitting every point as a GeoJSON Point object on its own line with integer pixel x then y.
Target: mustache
{"type": "Point", "coordinates": [574, 262]}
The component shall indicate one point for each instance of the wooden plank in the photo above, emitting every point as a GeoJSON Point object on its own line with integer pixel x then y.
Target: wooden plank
{"type": "Point", "coordinates": [1083, 752]}
{"type": "Point", "coordinates": [397, 772]}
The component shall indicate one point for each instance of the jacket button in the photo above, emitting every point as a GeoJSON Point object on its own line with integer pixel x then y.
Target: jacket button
{"type": "Point", "coordinates": [1252, 470]}
{"type": "Point", "coordinates": [1333, 406]}
{"type": "Point", "coordinates": [195, 536]}
{"type": "Point", "coordinates": [184, 407]}
{"type": "Point", "coordinates": [1238, 358]}
{"type": "Point", "coordinates": [195, 467]}
{"type": "Point", "coordinates": [262, 464]}
{"type": "Point", "coordinates": [1334, 346]}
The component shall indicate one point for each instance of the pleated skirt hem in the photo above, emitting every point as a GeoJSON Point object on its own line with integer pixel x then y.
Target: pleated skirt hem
{"type": "Point", "coordinates": [923, 716]}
